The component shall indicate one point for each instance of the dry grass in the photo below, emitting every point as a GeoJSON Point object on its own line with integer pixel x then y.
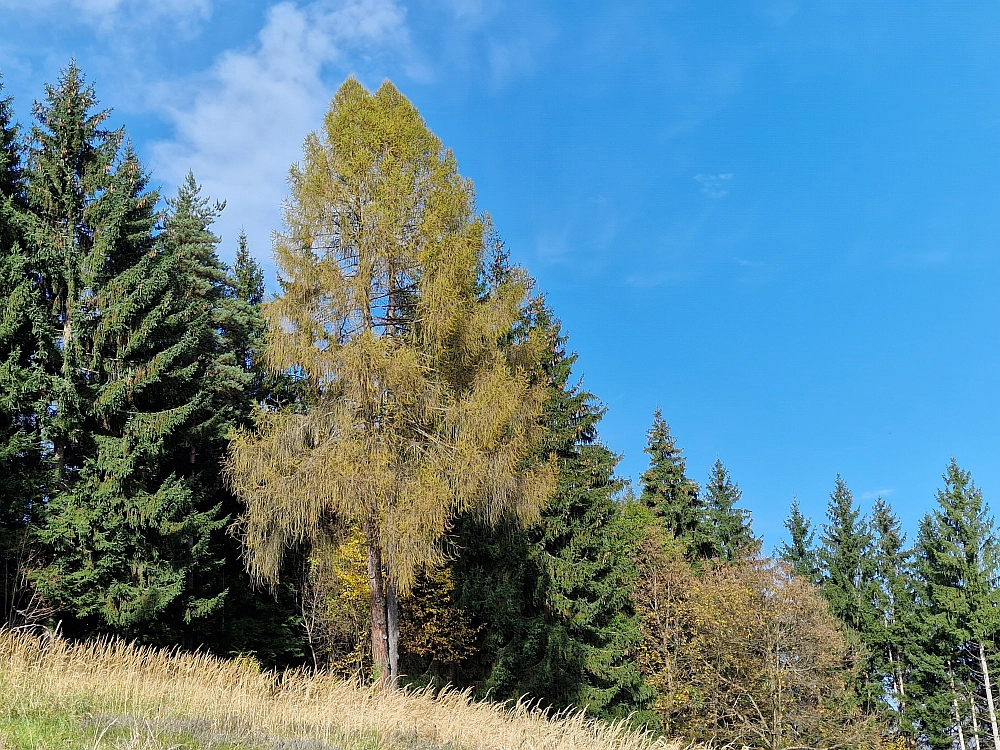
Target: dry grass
{"type": "Point", "coordinates": [115, 694]}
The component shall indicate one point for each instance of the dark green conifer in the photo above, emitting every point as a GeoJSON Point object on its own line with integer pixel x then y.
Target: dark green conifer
{"type": "Point", "coordinates": [848, 584]}
{"type": "Point", "coordinates": [800, 551]}
{"type": "Point", "coordinates": [22, 380]}
{"type": "Point", "coordinates": [670, 494]}
{"type": "Point", "coordinates": [728, 529]}
{"type": "Point", "coordinates": [248, 288]}
{"type": "Point", "coordinates": [560, 622]}
{"type": "Point", "coordinates": [958, 563]}
{"type": "Point", "coordinates": [845, 560]}
{"type": "Point", "coordinates": [130, 537]}
{"type": "Point", "coordinates": [895, 603]}
{"type": "Point", "coordinates": [77, 224]}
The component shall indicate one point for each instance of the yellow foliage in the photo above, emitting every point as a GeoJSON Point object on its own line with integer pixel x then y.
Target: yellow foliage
{"type": "Point", "coordinates": [743, 653]}
{"type": "Point", "coordinates": [336, 608]}
{"type": "Point", "coordinates": [432, 626]}
{"type": "Point", "coordinates": [423, 404]}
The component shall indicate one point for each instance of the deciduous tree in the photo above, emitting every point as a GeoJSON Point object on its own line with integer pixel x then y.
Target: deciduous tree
{"type": "Point", "coordinates": [423, 401]}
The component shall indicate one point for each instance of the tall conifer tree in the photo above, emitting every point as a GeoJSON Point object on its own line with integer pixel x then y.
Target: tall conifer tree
{"type": "Point", "coordinates": [848, 584]}
{"type": "Point", "coordinates": [670, 494]}
{"type": "Point", "coordinates": [846, 563]}
{"type": "Point", "coordinates": [555, 598]}
{"type": "Point", "coordinates": [728, 529]}
{"type": "Point", "coordinates": [77, 223]}
{"type": "Point", "coordinates": [800, 551]}
{"type": "Point", "coordinates": [22, 378]}
{"type": "Point", "coordinates": [130, 537]}
{"type": "Point", "coordinates": [423, 405]}
{"type": "Point", "coordinates": [895, 603]}
{"type": "Point", "coordinates": [958, 562]}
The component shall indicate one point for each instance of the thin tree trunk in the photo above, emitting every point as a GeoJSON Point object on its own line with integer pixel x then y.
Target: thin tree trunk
{"type": "Point", "coordinates": [376, 589]}
{"type": "Point", "coordinates": [898, 686]}
{"type": "Point", "coordinates": [975, 721]}
{"type": "Point", "coordinates": [989, 696]}
{"type": "Point", "coordinates": [777, 718]}
{"type": "Point", "coordinates": [391, 587]}
{"type": "Point", "coordinates": [958, 715]}
{"type": "Point", "coordinates": [59, 448]}
{"type": "Point", "coordinates": [392, 629]}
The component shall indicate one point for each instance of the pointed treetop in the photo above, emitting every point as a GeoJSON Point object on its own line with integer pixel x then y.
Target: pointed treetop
{"type": "Point", "coordinates": [800, 550]}
{"type": "Point", "coordinates": [10, 158]}
{"type": "Point", "coordinates": [248, 274]}
{"type": "Point", "coordinates": [958, 556]}
{"type": "Point", "coordinates": [70, 155]}
{"type": "Point", "coordinates": [728, 530]}
{"type": "Point", "coordinates": [666, 489]}
{"type": "Point", "coordinates": [845, 556]}
{"type": "Point", "coordinates": [886, 528]}
{"type": "Point", "coordinates": [845, 522]}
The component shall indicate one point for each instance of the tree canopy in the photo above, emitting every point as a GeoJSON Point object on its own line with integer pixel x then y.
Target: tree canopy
{"type": "Point", "coordinates": [424, 400]}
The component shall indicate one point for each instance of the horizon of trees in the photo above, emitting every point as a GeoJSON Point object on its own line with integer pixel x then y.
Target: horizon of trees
{"type": "Point", "coordinates": [389, 470]}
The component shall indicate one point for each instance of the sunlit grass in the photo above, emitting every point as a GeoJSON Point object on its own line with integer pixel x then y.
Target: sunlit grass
{"type": "Point", "coordinates": [109, 694]}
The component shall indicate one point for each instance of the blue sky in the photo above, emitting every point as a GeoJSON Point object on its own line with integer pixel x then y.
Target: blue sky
{"type": "Point", "coordinates": [776, 220]}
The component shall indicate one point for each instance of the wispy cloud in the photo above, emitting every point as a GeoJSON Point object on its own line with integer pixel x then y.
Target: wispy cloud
{"type": "Point", "coordinates": [650, 280]}
{"type": "Point", "coordinates": [873, 494]}
{"type": "Point", "coordinates": [582, 236]}
{"type": "Point", "coordinates": [109, 13]}
{"type": "Point", "coordinates": [244, 123]}
{"type": "Point", "coordinates": [714, 185]}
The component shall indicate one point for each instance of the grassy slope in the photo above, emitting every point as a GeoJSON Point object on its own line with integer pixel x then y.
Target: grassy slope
{"type": "Point", "coordinates": [104, 695]}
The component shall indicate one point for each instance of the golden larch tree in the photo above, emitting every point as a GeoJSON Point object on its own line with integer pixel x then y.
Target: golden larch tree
{"type": "Point", "coordinates": [423, 400]}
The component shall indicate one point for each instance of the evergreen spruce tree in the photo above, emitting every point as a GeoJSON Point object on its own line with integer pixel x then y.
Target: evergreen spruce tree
{"type": "Point", "coordinates": [848, 584]}
{"type": "Point", "coordinates": [958, 562]}
{"type": "Point", "coordinates": [247, 282]}
{"type": "Point", "coordinates": [728, 528]}
{"type": "Point", "coordinates": [264, 622]}
{"type": "Point", "coordinates": [895, 603]}
{"type": "Point", "coordinates": [845, 560]}
{"type": "Point", "coordinates": [800, 551]}
{"type": "Point", "coordinates": [268, 389]}
{"type": "Point", "coordinates": [22, 378]}
{"type": "Point", "coordinates": [560, 622]}
{"type": "Point", "coordinates": [143, 342]}
{"type": "Point", "coordinates": [77, 200]}
{"type": "Point", "coordinates": [130, 536]}
{"type": "Point", "coordinates": [670, 494]}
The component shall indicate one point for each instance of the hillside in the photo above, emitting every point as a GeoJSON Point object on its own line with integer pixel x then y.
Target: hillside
{"type": "Point", "coordinates": [110, 694]}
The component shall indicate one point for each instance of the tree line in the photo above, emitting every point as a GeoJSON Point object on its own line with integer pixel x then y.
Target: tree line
{"type": "Point", "coordinates": [388, 469]}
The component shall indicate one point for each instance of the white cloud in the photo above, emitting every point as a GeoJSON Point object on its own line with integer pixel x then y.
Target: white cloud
{"type": "Point", "coordinates": [715, 185]}
{"type": "Point", "coordinates": [244, 125]}
{"type": "Point", "coordinates": [874, 494]}
{"type": "Point", "coordinates": [108, 13]}
{"type": "Point", "coordinates": [474, 10]}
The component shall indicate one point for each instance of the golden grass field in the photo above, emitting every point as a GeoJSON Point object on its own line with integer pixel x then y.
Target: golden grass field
{"type": "Point", "coordinates": [110, 694]}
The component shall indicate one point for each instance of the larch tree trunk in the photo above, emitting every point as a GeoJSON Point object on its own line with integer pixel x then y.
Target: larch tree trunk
{"type": "Point", "coordinates": [376, 590]}
{"type": "Point", "coordinates": [392, 629]}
